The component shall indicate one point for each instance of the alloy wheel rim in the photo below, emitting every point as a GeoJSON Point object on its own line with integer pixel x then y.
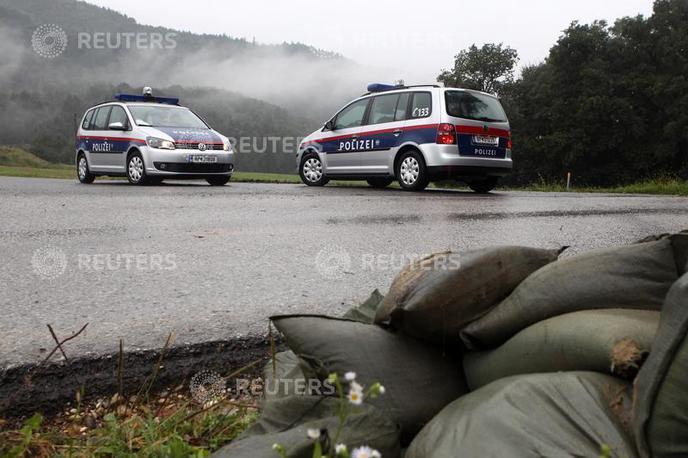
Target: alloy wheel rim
{"type": "Point", "coordinates": [82, 168]}
{"type": "Point", "coordinates": [409, 171]}
{"type": "Point", "coordinates": [135, 168]}
{"type": "Point", "coordinates": [312, 170]}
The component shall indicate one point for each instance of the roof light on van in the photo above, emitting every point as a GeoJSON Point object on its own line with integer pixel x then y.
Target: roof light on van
{"type": "Point", "coordinates": [147, 96]}
{"type": "Point", "coordinates": [377, 87]}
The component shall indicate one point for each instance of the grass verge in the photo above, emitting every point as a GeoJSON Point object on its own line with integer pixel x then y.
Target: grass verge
{"type": "Point", "coordinates": [661, 186]}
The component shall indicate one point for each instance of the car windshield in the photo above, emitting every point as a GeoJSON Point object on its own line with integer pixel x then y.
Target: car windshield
{"type": "Point", "coordinates": [165, 116]}
{"type": "Point", "coordinates": [471, 105]}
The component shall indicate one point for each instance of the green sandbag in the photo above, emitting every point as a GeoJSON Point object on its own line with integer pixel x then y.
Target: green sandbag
{"type": "Point", "coordinates": [434, 298]}
{"type": "Point", "coordinates": [568, 414]}
{"type": "Point", "coordinates": [661, 423]}
{"type": "Point", "coordinates": [419, 379]}
{"type": "Point", "coordinates": [630, 277]}
{"type": "Point", "coordinates": [365, 313]}
{"type": "Point", "coordinates": [286, 422]}
{"type": "Point", "coordinates": [680, 245]}
{"type": "Point", "coordinates": [282, 377]}
{"type": "Point", "coordinates": [613, 341]}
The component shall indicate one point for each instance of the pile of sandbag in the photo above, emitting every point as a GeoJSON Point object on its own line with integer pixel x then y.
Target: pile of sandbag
{"type": "Point", "coordinates": [504, 351]}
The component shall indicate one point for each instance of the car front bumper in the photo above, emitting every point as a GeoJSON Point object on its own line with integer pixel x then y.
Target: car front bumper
{"type": "Point", "coordinates": [177, 162]}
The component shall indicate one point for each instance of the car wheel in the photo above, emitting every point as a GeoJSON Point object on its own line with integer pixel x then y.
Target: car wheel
{"type": "Point", "coordinates": [311, 170]}
{"type": "Point", "coordinates": [411, 172]}
{"type": "Point", "coordinates": [484, 186]}
{"type": "Point", "coordinates": [380, 182]}
{"type": "Point", "coordinates": [136, 171]}
{"type": "Point", "coordinates": [82, 170]}
{"type": "Point", "coordinates": [218, 181]}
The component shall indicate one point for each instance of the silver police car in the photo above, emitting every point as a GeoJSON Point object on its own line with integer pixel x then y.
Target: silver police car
{"type": "Point", "coordinates": [414, 134]}
{"type": "Point", "coordinates": [148, 139]}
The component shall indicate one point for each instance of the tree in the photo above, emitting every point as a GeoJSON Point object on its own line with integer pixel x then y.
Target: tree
{"type": "Point", "coordinates": [486, 69]}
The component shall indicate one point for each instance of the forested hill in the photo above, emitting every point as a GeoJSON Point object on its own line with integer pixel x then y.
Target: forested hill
{"type": "Point", "coordinates": [245, 89]}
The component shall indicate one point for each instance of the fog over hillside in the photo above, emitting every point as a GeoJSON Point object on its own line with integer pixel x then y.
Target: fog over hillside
{"type": "Point", "coordinates": [298, 86]}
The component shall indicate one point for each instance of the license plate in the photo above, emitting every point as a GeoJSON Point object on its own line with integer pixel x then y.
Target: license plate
{"type": "Point", "coordinates": [202, 158]}
{"type": "Point", "coordinates": [486, 140]}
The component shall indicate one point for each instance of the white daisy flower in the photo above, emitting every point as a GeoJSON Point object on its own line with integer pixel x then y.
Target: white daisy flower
{"type": "Point", "coordinates": [313, 433]}
{"type": "Point", "coordinates": [355, 397]}
{"type": "Point", "coordinates": [340, 448]}
{"type": "Point", "coordinates": [365, 452]}
{"type": "Point", "coordinates": [381, 389]}
{"type": "Point", "coordinates": [350, 376]}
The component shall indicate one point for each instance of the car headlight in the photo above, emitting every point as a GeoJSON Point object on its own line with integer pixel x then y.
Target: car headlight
{"type": "Point", "coordinates": [226, 144]}
{"type": "Point", "coordinates": [159, 143]}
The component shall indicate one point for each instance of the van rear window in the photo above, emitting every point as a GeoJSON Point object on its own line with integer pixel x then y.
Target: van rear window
{"type": "Point", "coordinates": [471, 105]}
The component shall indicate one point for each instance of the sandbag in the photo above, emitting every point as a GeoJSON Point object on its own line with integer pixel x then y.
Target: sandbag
{"type": "Point", "coordinates": [680, 244]}
{"type": "Point", "coordinates": [614, 341]}
{"type": "Point", "coordinates": [435, 297]}
{"type": "Point", "coordinates": [365, 313]}
{"type": "Point", "coordinates": [419, 379]}
{"type": "Point", "coordinates": [286, 422]}
{"type": "Point", "coordinates": [282, 376]}
{"type": "Point", "coordinates": [569, 414]}
{"type": "Point", "coordinates": [630, 277]}
{"type": "Point", "coordinates": [661, 391]}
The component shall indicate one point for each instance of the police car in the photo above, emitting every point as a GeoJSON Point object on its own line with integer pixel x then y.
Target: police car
{"type": "Point", "coordinates": [414, 134]}
{"type": "Point", "coordinates": [148, 139]}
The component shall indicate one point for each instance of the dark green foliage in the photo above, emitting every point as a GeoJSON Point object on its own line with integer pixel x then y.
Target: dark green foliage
{"type": "Point", "coordinates": [609, 104]}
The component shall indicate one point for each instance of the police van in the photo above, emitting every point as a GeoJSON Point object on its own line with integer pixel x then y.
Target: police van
{"type": "Point", "coordinates": [148, 139]}
{"type": "Point", "coordinates": [414, 134]}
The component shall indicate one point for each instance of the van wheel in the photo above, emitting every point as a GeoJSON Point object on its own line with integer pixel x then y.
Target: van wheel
{"type": "Point", "coordinates": [311, 170]}
{"type": "Point", "coordinates": [218, 181]}
{"type": "Point", "coordinates": [380, 182]}
{"type": "Point", "coordinates": [411, 172]}
{"type": "Point", "coordinates": [484, 186]}
{"type": "Point", "coordinates": [136, 171]}
{"type": "Point", "coordinates": [82, 171]}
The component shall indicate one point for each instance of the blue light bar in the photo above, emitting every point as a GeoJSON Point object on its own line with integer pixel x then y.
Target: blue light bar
{"type": "Point", "coordinates": [145, 98]}
{"type": "Point", "coordinates": [377, 87]}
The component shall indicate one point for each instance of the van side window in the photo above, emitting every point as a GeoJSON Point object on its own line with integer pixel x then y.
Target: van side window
{"type": "Point", "coordinates": [351, 116]}
{"type": "Point", "coordinates": [383, 108]}
{"type": "Point", "coordinates": [421, 107]}
{"type": "Point", "coordinates": [400, 113]}
{"type": "Point", "coordinates": [118, 115]}
{"type": "Point", "coordinates": [100, 119]}
{"type": "Point", "coordinates": [87, 120]}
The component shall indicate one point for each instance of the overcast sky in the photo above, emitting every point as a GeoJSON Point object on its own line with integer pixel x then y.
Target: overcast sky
{"type": "Point", "coordinates": [413, 39]}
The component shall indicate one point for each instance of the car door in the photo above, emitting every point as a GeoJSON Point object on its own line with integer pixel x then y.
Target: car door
{"type": "Point", "coordinates": [117, 139]}
{"type": "Point", "coordinates": [341, 144]}
{"type": "Point", "coordinates": [97, 143]}
{"type": "Point", "coordinates": [384, 131]}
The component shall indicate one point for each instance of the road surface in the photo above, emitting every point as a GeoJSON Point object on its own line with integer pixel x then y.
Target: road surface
{"type": "Point", "coordinates": [137, 263]}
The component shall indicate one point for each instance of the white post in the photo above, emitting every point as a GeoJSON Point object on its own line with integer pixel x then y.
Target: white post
{"type": "Point", "coordinates": [568, 181]}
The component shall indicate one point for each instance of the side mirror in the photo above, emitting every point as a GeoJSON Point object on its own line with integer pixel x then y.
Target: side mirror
{"type": "Point", "coordinates": [329, 125]}
{"type": "Point", "coordinates": [117, 126]}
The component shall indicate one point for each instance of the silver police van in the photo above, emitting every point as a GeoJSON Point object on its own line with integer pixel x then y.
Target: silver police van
{"type": "Point", "coordinates": [414, 134]}
{"type": "Point", "coordinates": [148, 139]}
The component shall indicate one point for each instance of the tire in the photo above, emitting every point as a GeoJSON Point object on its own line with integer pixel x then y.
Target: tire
{"type": "Point", "coordinates": [380, 182]}
{"type": "Point", "coordinates": [311, 170]}
{"type": "Point", "coordinates": [82, 171]}
{"type": "Point", "coordinates": [218, 181]}
{"type": "Point", "coordinates": [411, 171]}
{"type": "Point", "coordinates": [136, 169]}
{"type": "Point", "coordinates": [484, 186]}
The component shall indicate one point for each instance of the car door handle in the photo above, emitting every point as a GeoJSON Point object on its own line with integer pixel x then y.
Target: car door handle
{"type": "Point", "coordinates": [354, 138]}
{"type": "Point", "coordinates": [397, 132]}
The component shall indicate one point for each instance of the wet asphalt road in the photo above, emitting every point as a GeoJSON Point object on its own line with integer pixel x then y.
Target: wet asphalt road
{"type": "Point", "coordinates": [213, 263]}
